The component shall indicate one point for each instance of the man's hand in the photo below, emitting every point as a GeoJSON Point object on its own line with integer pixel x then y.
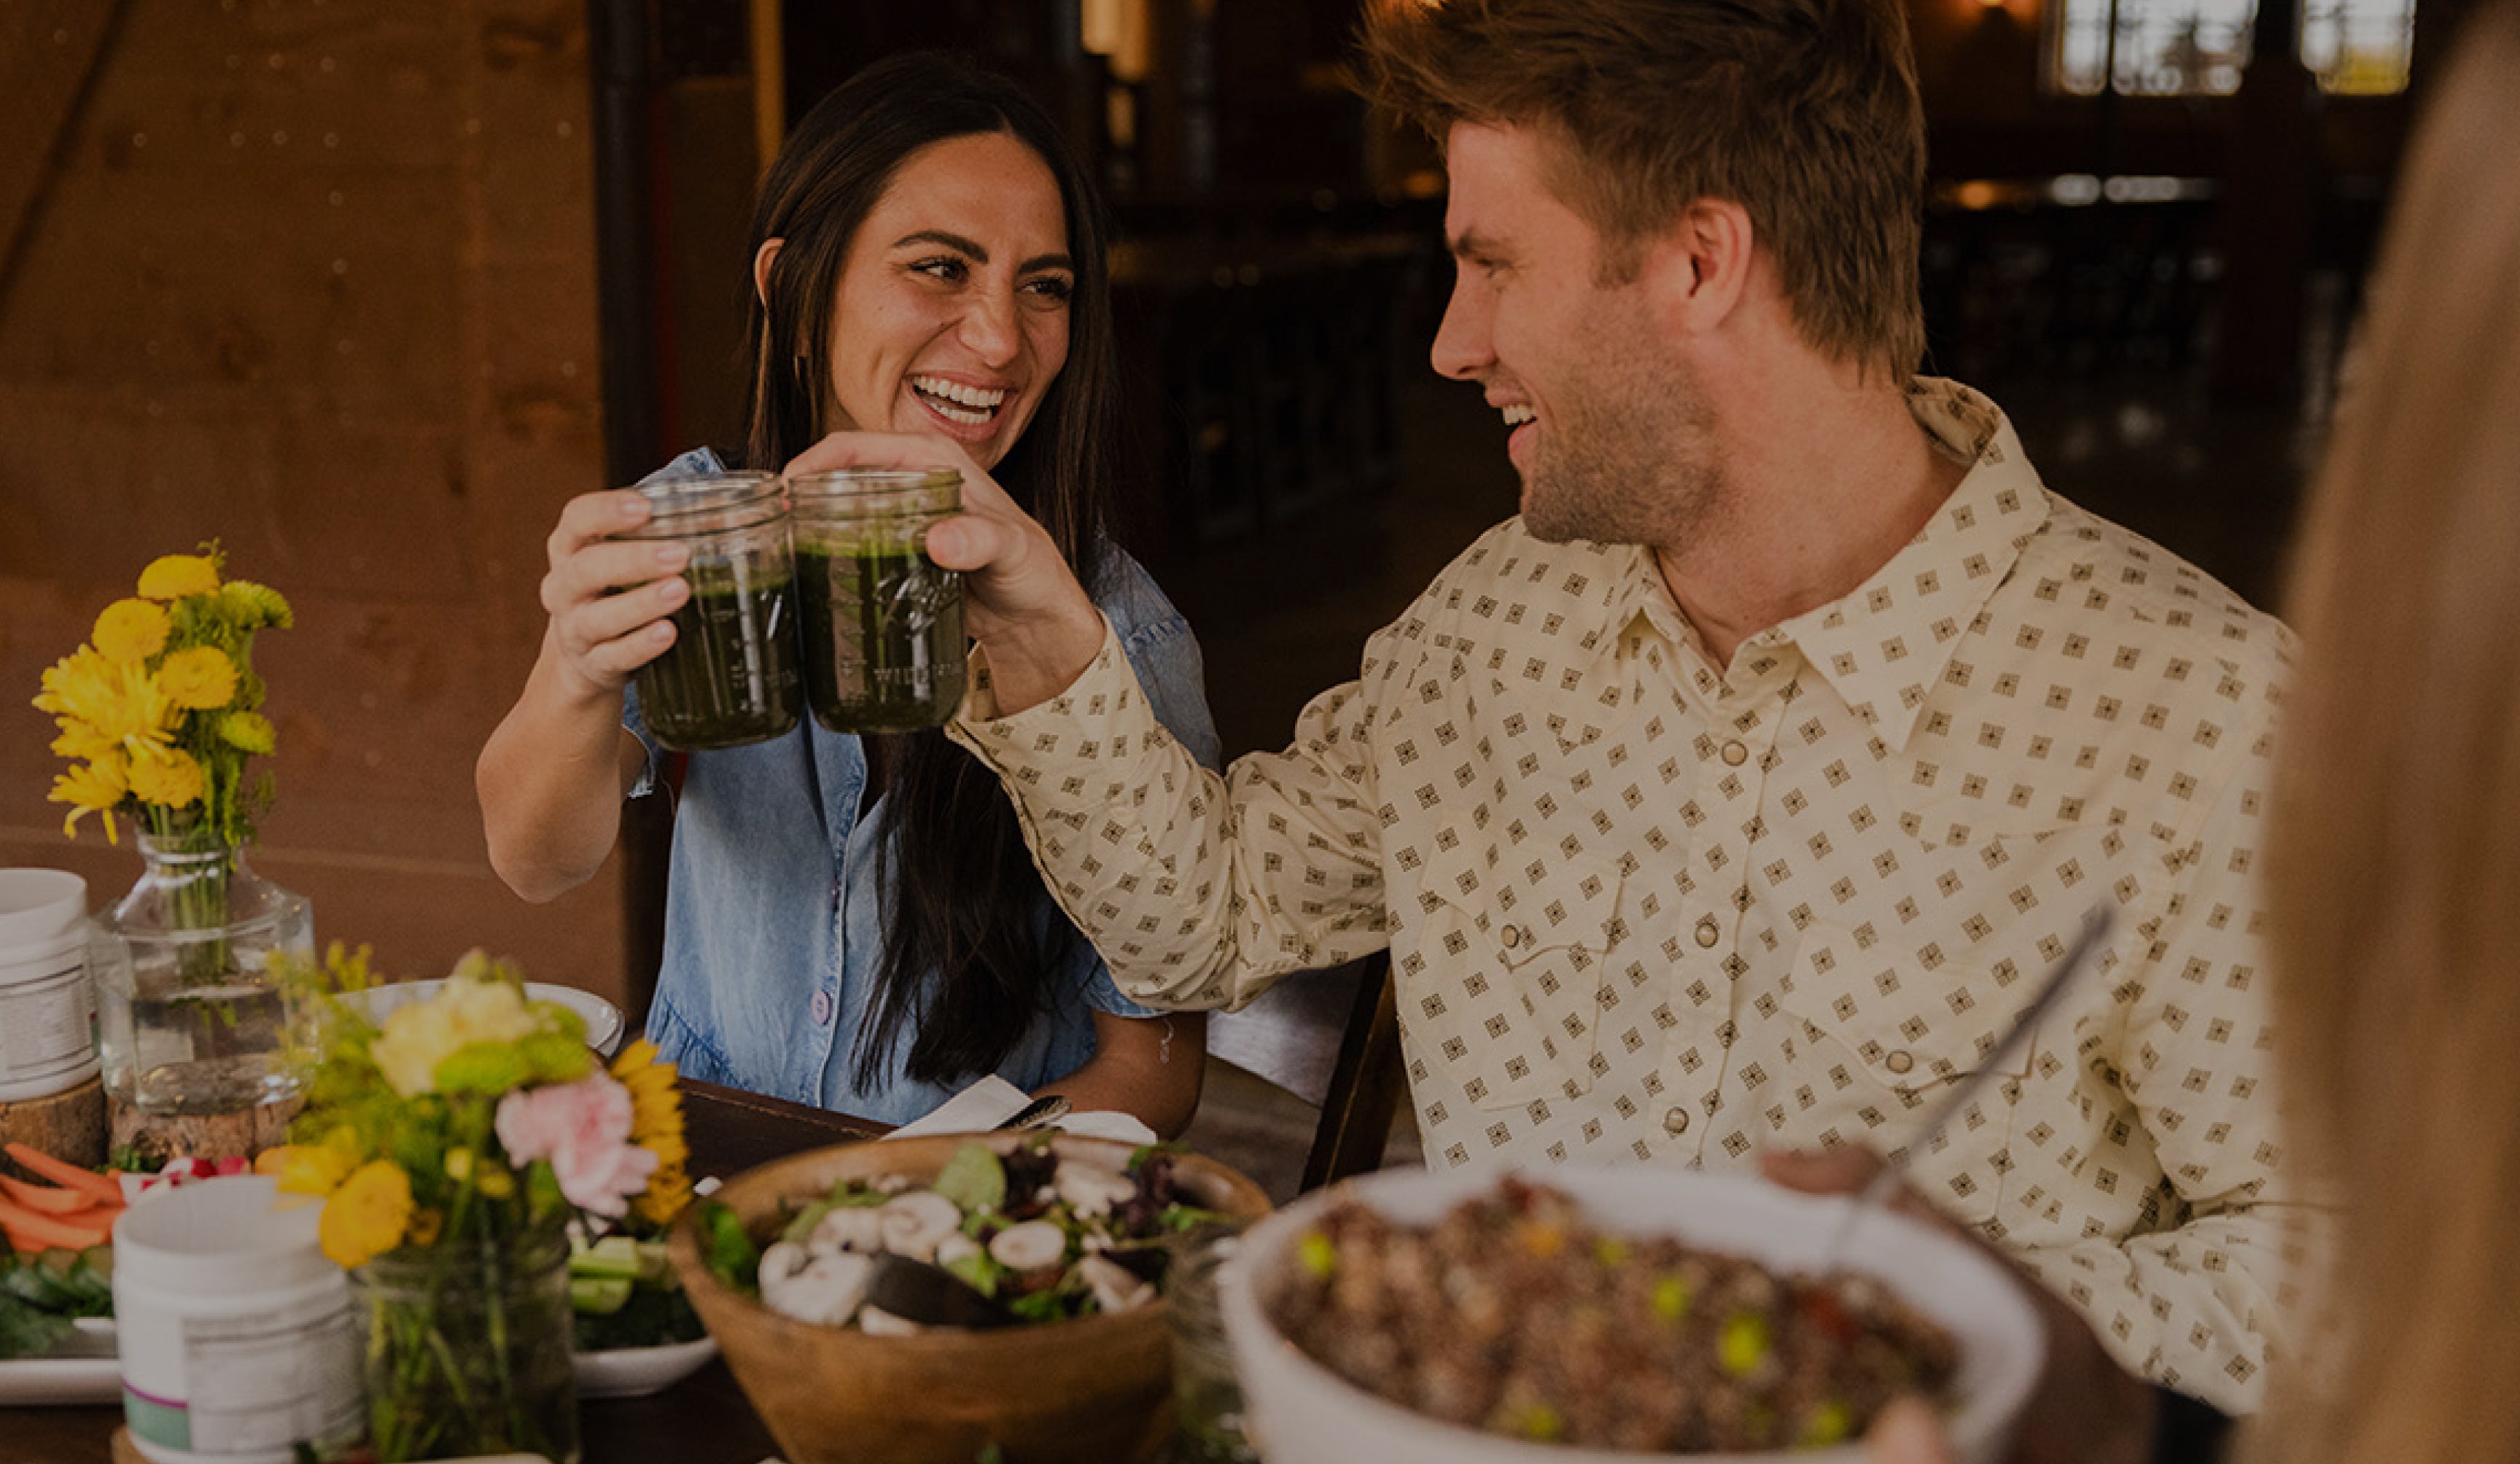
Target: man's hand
{"type": "Point", "coordinates": [2087, 1409]}
{"type": "Point", "coordinates": [1020, 600]}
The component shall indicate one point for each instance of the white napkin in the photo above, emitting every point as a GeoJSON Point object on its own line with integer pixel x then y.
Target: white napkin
{"type": "Point", "coordinates": [993, 1100]}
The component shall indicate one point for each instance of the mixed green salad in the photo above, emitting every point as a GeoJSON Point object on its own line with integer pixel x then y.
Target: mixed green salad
{"type": "Point", "coordinates": [43, 1291]}
{"type": "Point", "coordinates": [1036, 1235]}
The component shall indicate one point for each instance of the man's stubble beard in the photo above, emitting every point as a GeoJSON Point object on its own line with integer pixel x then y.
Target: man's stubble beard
{"type": "Point", "coordinates": [1630, 457]}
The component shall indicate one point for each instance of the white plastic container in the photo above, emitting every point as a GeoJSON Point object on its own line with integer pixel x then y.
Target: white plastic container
{"type": "Point", "coordinates": [239, 1339]}
{"type": "Point", "coordinates": [47, 999]}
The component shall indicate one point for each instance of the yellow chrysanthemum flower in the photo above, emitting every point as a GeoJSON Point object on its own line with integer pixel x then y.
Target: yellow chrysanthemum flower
{"type": "Point", "coordinates": [248, 731]}
{"type": "Point", "coordinates": [251, 605]}
{"type": "Point", "coordinates": [198, 678]}
{"type": "Point", "coordinates": [132, 630]}
{"type": "Point", "coordinates": [123, 704]}
{"type": "Point", "coordinates": [90, 787]}
{"type": "Point", "coordinates": [305, 1168]}
{"type": "Point", "coordinates": [173, 781]}
{"type": "Point", "coordinates": [368, 1216]}
{"type": "Point", "coordinates": [177, 576]}
{"type": "Point", "coordinates": [80, 741]}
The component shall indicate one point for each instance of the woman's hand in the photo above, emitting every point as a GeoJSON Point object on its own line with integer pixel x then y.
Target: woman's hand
{"type": "Point", "coordinates": [2087, 1409]}
{"type": "Point", "coordinates": [1021, 599]}
{"type": "Point", "coordinates": [599, 638]}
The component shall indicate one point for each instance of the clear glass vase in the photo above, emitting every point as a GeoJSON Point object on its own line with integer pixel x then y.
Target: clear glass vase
{"type": "Point", "coordinates": [191, 1017]}
{"type": "Point", "coordinates": [469, 1350]}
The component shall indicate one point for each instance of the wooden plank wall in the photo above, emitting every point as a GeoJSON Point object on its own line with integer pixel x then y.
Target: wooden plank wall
{"type": "Point", "coordinates": [316, 278]}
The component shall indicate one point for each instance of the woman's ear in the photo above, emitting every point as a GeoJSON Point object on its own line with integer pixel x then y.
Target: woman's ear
{"type": "Point", "coordinates": [761, 268]}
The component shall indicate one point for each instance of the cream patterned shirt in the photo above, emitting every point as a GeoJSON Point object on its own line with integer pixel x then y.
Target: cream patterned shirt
{"type": "Point", "coordinates": [1644, 908]}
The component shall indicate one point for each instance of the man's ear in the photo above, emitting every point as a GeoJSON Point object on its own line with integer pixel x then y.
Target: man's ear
{"type": "Point", "coordinates": [761, 268]}
{"type": "Point", "coordinates": [1697, 269]}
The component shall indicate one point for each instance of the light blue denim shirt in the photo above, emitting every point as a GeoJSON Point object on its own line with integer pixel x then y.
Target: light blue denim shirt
{"type": "Point", "coordinates": [774, 913]}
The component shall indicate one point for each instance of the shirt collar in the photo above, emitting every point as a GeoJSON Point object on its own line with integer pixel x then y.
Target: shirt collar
{"type": "Point", "coordinates": [1883, 646]}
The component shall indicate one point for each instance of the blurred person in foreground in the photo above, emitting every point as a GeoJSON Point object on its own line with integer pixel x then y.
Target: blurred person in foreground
{"type": "Point", "coordinates": [1735, 795]}
{"type": "Point", "coordinates": [2394, 864]}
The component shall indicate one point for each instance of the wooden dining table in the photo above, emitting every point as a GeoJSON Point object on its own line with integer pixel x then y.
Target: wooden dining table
{"type": "Point", "coordinates": [704, 1419]}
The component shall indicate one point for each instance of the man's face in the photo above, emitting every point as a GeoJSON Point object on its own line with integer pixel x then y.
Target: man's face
{"type": "Point", "coordinates": [1609, 430]}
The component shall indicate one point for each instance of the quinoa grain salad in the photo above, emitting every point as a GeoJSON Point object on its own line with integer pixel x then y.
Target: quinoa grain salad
{"type": "Point", "coordinates": [1512, 1315]}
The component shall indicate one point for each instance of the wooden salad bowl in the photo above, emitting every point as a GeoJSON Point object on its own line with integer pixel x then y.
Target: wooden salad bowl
{"type": "Point", "coordinates": [1092, 1391]}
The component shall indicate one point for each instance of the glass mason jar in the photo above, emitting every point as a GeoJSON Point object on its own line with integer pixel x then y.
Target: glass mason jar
{"type": "Point", "coordinates": [883, 625]}
{"type": "Point", "coordinates": [469, 1347]}
{"type": "Point", "coordinates": [1207, 1398]}
{"type": "Point", "coordinates": [190, 1015]}
{"type": "Point", "coordinates": [730, 677]}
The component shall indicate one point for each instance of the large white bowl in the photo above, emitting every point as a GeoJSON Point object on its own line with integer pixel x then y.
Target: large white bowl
{"type": "Point", "coordinates": [1300, 1412]}
{"type": "Point", "coordinates": [603, 1023]}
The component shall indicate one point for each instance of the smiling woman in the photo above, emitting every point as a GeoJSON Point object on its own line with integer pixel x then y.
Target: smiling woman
{"type": "Point", "coordinates": [854, 921]}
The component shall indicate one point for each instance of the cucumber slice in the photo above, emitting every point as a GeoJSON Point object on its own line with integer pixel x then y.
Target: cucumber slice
{"type": "Point", "coordinates": [597, 1296]}
{"type": "Point", "coordinates": [613, 1257]}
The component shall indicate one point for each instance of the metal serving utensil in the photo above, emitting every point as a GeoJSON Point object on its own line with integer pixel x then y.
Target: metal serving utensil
{"type": "Point", "coordinates": [1049, 1108]}
{"type": "Point", "coordinates": [2087, 945]}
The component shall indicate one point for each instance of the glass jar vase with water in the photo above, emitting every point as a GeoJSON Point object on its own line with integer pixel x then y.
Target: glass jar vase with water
{"type": "Point", "coordinates": [191, 1014]}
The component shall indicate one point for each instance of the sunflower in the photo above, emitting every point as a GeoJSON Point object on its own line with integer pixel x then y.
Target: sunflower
{"type": "Point", "coordinates": [131, 630]}
{"type": "Point", "coordinates": [655, 1124]}
{"type": "Point", "coordinates": [179, 576]}
{"type": "Point", "coordinates": [198, 678]}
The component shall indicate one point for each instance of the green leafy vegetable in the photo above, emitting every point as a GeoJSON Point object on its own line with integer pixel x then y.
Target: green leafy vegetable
{"type": "Point", "coordinates": [973, 1180]}
{"type": "Point", "coordinates": [730, 1253]}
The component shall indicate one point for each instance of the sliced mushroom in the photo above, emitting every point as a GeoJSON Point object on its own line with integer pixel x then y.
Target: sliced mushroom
{"type": "Point", "coordinates": [857, 1228]}
{"type": "Point", "coordinates": [875, 1321]}
{"type": "Point", "coordinates": [915, 1224]}
{"type": "Point", "coordinates": [783, 1259]}
{"type": "Point", "coordinates": [1092, 1190]}
{"type": "Point", "coordinates": [826, 1290]}
{"type": "Point", "coordinates": [955, 1247]}
{"type": "Point", "coordinates": [1116, 1288]}
{"type": "Point", "coordinates": [1030, 1246]}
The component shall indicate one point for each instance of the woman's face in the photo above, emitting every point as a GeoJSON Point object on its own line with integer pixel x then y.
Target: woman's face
{"type": "Point", "coordinates": [952, 313]}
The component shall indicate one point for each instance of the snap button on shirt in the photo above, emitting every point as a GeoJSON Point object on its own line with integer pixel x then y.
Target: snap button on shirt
{"type": "Point", "coordinates": [1899, 1061]}
{"type": "Point", "coordinates": [1513, 936]}
{"type": "Point", "coordinates": [1675, 1121]}
{"type": "Point", "coordinates": [1708, 932]}
{"type": "Point", "coordinates": [821, 1005]}
{"type": "Point", "coordinates": [1736, 754]}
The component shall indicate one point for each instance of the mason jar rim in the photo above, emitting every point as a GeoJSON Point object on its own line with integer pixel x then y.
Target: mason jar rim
{"type": "Point", "coordinates": [709, 492]}
{"type": "Point", "coordinates": [853, 481]}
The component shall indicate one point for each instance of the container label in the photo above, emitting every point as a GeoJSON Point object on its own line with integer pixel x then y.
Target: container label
{"type": "Point", "coordinates": [48, 1023]}
{"type": "Point", "coordinates": [258, 1384]}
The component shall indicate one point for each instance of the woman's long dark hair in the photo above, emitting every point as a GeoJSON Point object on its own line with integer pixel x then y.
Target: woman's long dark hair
{"type": "Point", "coordinates": [965, 952]}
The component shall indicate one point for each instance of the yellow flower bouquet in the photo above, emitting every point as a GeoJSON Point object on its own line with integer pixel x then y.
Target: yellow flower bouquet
{"type": "Point", "coordinates": [158, 715]}
{"type": "Point", "coordinates": [453, 1146]}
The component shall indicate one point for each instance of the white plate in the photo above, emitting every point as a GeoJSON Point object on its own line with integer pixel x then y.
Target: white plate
{"type": "Point", "coordinates": [84, 1371]}
{"type": "Point", "coordinates": [637, 1371]}
{"type": "Point", "coordinates": [603, 1019]}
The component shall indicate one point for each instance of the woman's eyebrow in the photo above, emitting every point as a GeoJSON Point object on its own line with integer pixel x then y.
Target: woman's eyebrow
{"type": "Point", "coordinates": [954, 241]}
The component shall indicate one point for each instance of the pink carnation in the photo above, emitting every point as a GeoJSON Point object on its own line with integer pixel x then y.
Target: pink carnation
{"type": "Point", "coordinates": [583, 1128]}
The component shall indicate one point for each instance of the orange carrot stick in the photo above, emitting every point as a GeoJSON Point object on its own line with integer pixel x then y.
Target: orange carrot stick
{"type": "Point", "coordinates": [45, 1199]}
{"type": "Point", "coordinates": [26, 1225]}
{"type": "Point", "coordinates": [89, 1181]}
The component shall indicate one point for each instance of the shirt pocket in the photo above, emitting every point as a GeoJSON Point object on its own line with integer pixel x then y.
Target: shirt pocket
{"type": "Point", "coordinates": [1507, 977]}
{"type": "Point", "coordinates": [1889, 1031]}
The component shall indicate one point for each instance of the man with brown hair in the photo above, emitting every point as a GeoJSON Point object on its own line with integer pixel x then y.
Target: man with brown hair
{"type": "Point", "coordinates": [1736, 795]}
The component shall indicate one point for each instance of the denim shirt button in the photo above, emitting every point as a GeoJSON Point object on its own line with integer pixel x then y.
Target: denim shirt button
{"type": "Point", "coordinates": [821, 1008]}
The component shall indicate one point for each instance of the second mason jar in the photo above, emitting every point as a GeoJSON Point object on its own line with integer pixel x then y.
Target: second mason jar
{"type": "Point", "coordinates": [882, 624]}
{"type": "Point", "coordinates": [730, 677]}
